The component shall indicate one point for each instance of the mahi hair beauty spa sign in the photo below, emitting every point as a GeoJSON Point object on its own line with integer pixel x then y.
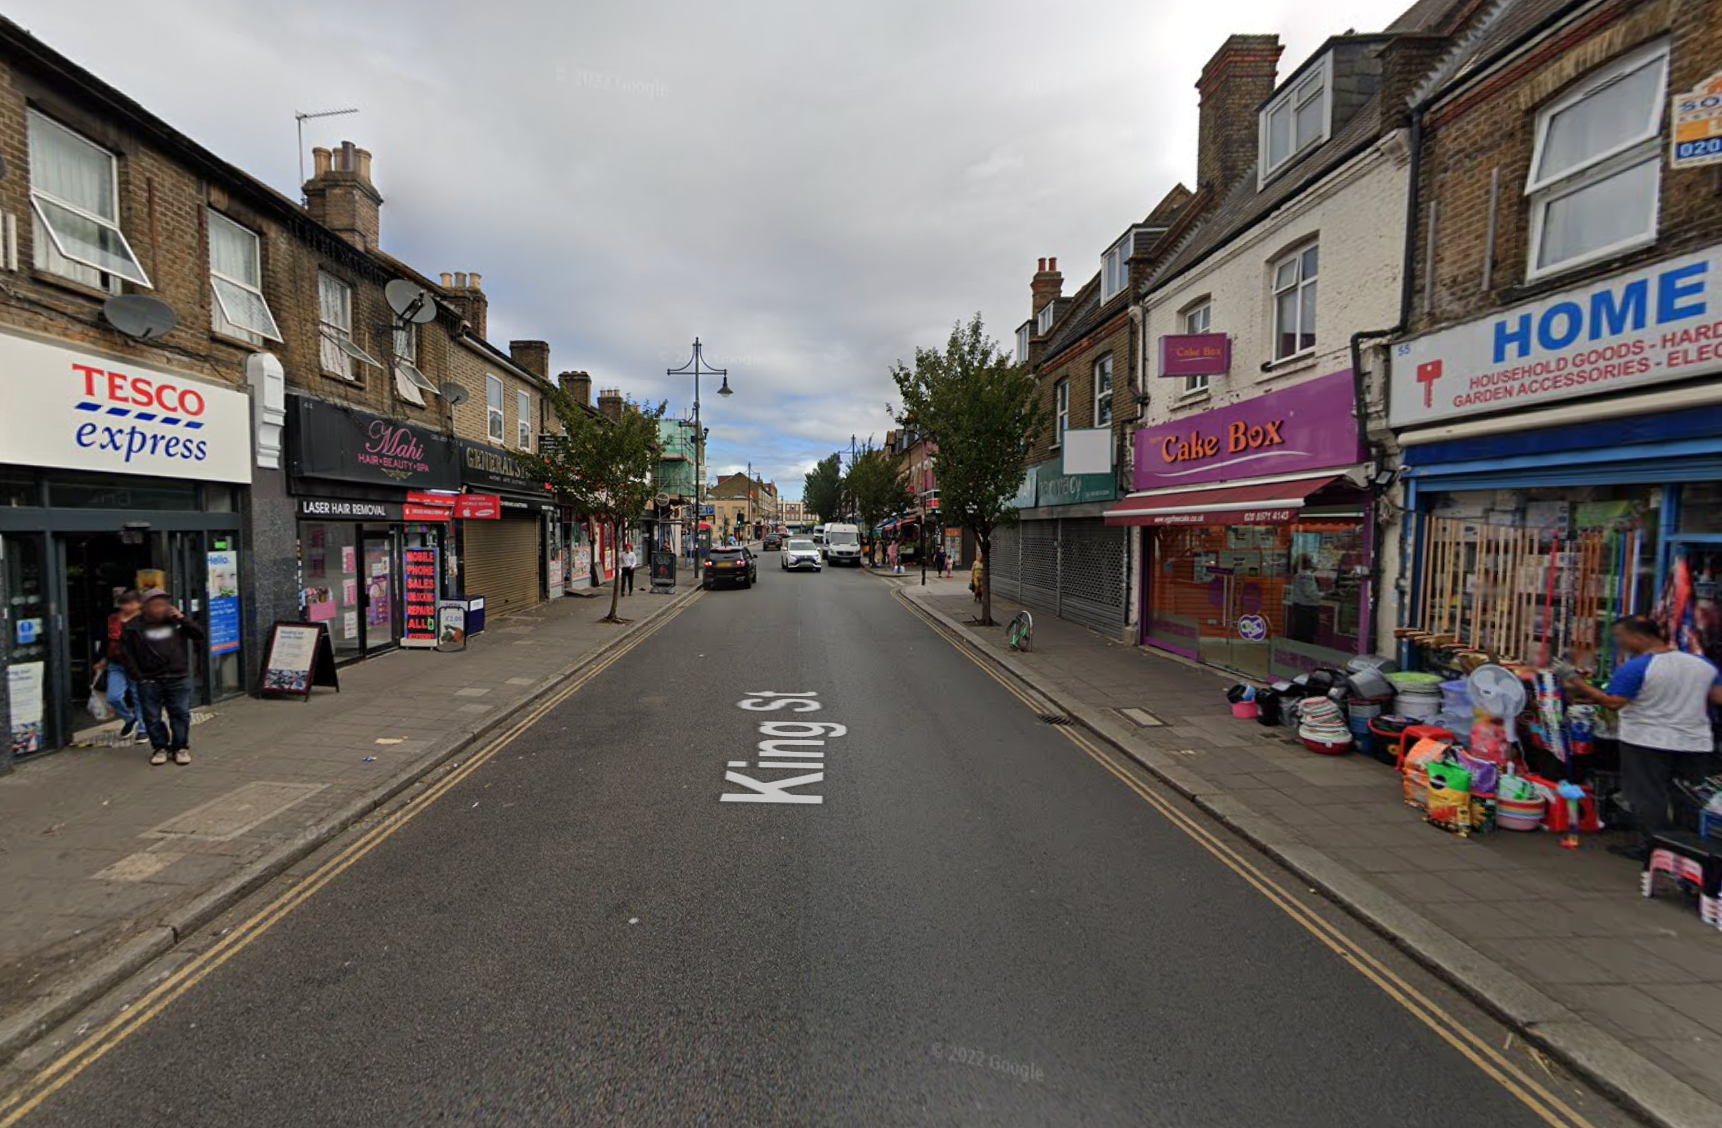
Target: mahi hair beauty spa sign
{"type": "Point", "coordinates": [326, 440]}
{"type": "Point", "coordinates": [77, 410]}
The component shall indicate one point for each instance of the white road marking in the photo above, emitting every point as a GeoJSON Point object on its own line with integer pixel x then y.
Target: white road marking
{"type": "Point", "coordinates": [793, 745]}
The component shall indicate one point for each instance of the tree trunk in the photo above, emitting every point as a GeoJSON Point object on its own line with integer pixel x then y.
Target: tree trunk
{"type": "Point", "coordinates": [615, 580]}
{"type": "Point", "coordinates": [984, 541]}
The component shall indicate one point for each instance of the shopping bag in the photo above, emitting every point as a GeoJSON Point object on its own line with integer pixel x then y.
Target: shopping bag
{"type": "Point", "coordinates": [98, 704]}
{"type": "Point", "coordinates": [1449, 796]}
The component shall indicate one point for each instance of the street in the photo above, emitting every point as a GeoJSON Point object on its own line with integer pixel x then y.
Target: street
{"type": "Point", "coordinates": [950, 914]}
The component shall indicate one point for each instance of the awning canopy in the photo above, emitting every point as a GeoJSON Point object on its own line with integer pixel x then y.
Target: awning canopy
{"type": "Point", "coordinates": [1256, 503]}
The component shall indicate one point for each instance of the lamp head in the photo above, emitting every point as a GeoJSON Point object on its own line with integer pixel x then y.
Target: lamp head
{"type": "Point", "coordinates": [724, 390]}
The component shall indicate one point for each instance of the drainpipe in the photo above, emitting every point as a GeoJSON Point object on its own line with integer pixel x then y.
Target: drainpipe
{"type": "Point", "coordinates": [1407, 290]}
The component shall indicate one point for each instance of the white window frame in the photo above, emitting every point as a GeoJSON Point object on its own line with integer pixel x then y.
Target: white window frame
{"type": "Point", "coordinates": [410, 383]}
{"type": "Point", "coordinates": [1043, 321]}
{"type": "Point", "coordinates": [221, 318]}
{"type": "Point", "coordinates": [493, 409]}
{"type": "Point", "coordinates": [1642, 148]}
{"type": "Point", "coordinates": [1114, 268]}
{"type": "Point", "coordinates": [335, 329]}
{"type": "Point", "coordinates": [523, 424]}
{"type": "Point", "coordinates": [1022, 335]}
{"type": "Point", "coordinates": [1103, 367]}
{"type": "Point", "coordinates": [46, 238]}
{"type": "Point", "coordinates": [1197, 319]}
{"type": "Point", "coordinates": [1319, 80]}
{"type": "Point", "coordinates": [1302, 285]}
{"type": "Point", "coordinates": [1061, 402]}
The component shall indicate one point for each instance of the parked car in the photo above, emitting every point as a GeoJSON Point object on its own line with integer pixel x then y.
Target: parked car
{"type": "Point", "coordinates": [773, 542]}
{"type": "Point", "coordinates": [737, 566]}
{"type": "Point", "coordinates": [800, 553]}
{"type": "Point", "coordinates": [843, 544]}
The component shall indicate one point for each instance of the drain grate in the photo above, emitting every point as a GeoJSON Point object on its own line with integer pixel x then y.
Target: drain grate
{"type": "Point", "coordinates": [1054, 719]}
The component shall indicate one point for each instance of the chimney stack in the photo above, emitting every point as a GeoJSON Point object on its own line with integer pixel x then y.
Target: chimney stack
{"type": "Point", "coordinates": [534, 356]}
{"type": "Point", "coordinates": [610, 404]}
{"type": "Point", "coordinates": [578, 387]}
{"type": "Point", "coordinates": [1047, 285]}
{"type": "Point", "coordinates": [342, 198]}
{"type": "Point", "coordinates": [465, 298]}
{"type": "Point", "coordinates": [1234, 84]}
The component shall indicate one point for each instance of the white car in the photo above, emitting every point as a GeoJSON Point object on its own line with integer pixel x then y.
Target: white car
{"type": "Point", "coordinates": [799, 553]}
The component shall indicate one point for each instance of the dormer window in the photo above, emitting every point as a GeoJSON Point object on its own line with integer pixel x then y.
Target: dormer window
{"type": "Point", "coordinates": [1300, 117]}
{"type": "Point", "coordinates": [1022, 343]}
{"type": "Point", "coordinates": [1113, 273]}
{"type": "Point", "coordinates": [1043, 323]}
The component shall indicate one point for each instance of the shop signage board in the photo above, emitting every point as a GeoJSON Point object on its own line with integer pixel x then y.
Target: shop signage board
{"type": "Point", "coordinates": [1309, 426]}
{"type": "Point", "coordinates": [326, 440]}
{"type": "Point", "coordinates": [478, 507]}
{"type": "Point", "coordinates": [1053, 487]}
{"type": "Point", "coordinates": [1659, 323]}
{"type": "Point", "coordinates": [450, 625]}
{"type": "Point", "coordinates": [342, 509]}
{"type": "Point", "coordinates": [420, 598]}
{"type": "Point", "coordinates": [1195, 354]}
{"type": "Point", "coordinates": [223, 589]}
{"type": "Point", "coordinates": [1697, 136]}
{"type": "Point", "coordinates": [297, 658]}
{"type": "Point", "coordinates": [496, 471]}
{"type": "Point", "coordinates": [426, 514]}
{"type": "Point", "coordinates": [73, 409]}
{"type": "Point", "coordinates": [1028, 491]}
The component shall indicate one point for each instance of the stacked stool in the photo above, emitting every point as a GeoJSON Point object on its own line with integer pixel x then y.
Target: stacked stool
{"type": "Point", "coordinates": [1687, 858]}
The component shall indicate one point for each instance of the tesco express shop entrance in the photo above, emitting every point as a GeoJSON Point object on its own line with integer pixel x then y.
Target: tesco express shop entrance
{"type": "Point", "coordinates": [113, 475]}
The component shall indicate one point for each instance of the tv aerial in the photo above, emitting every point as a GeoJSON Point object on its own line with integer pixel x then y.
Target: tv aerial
{"type": "Point", "coordinates": [454, 393]}
{"type": "Point", "coordinates": [140, 316]}
{"type": "Point", "coordinates": [412, 303]}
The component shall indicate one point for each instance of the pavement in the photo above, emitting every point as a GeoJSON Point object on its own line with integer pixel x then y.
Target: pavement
{"type": "Point", "coordinates": [106, 862]}
{"type": "Point", "coordinates": [966, 915]}
{"type": "Point", "coordinates": [1559, 944]}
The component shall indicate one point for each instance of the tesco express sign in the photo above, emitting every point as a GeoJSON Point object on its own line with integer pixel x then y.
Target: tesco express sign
{"type": "Point", "coordinates": [68, 408]}
{"type": "Point", "coordinates": [1659, 323]}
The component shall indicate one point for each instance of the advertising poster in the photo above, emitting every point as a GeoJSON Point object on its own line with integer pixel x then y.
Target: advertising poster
{"type": "Point", "coordinates": [349, 561]}
{"type": "Point", "coordinates": [420, 597]}
{"type": "Point", "coordinates": [24, 685]}
{"type": "Point", "coordinates": [223, 602]}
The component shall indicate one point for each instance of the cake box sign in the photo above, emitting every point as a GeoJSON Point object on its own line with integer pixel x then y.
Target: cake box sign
{"type": "Point", "coordinates": [1310, 426]}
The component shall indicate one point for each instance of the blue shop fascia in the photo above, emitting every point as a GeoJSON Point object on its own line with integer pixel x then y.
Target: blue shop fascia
{"type": "Point", "coordinates": [1575, 439]}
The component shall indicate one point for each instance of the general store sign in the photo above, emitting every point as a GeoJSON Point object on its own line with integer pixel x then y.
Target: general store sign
{"type": "Point", "coordinates": [1659, 323]}
{"type": "Point", "coordinates": [1310, 426]}
{"type": "Point", "coordinates": [77, 410]}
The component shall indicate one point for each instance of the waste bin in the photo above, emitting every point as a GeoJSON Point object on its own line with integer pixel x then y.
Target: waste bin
{"type": "Point", "coordinates": [474, 615]}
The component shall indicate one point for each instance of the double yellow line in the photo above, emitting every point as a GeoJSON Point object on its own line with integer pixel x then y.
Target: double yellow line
{"type": "Point", "coordinates": [63, 1070]}
{"type": "Point", "coordinates": [1479, 1052]}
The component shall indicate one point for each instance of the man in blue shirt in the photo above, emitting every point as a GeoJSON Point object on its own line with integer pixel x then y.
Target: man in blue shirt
{"type": "Point", "coordinates": [1663, 698]}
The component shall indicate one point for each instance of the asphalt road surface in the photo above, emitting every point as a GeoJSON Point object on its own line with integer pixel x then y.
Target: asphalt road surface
{"type": "Point", "coordinates": [976, 924]}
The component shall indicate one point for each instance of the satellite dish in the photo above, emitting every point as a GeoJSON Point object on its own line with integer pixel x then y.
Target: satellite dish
{"type": "Point", "coordinates": [454, 393]}
{"type": "Point", "coordinates": [140, 316]}
{"type": "Point", "coordinates": [410, 301]}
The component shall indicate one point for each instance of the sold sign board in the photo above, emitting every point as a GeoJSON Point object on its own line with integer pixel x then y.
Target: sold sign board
{"type": "Point", "coordinates": [70, 408]}
{"type": "Point", "coordinates": [1697, 137]}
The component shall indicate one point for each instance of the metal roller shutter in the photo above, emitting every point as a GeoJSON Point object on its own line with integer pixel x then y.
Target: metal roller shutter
{"type": "Point", "coordinates": [1005, 559]}
{"type": "Point", "coordinates": [1040, 564]}
{"type": "Point", "coordinates": [1092, 579]}
{"type": "Point", "coordinates": [502, 562]}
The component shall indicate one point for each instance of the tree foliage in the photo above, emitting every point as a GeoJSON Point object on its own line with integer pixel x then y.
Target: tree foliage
{"type": "Point", "coordinates": [822, 490]}
{"type": "Point", "coordinates": [603, 468]}
{"type": "Point", "coordinates": [876, 484]}
{"type": "Point", "coordinates": [982, 411]}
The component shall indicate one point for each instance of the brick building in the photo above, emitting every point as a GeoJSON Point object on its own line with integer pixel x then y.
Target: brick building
{"type": "Point", "coordinates": [205, 388]}
{"type": "Point", "coordinates": [1556, 396]}
{"type": "Point", "coordinates": [741, 506]}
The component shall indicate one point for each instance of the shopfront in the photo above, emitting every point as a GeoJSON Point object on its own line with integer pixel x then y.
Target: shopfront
{"type": "Point", "coordinates": [1257, 548]}
{"type": "Point", "coordinates": [375, 500]}
{"type": "Point", "coordinates": [113, 475]}
{"type": "Point", "coordinates": [1060, 556]}
{"type": "Point", "coordinates": [505, 558]}
{"type": "Point", "coordinates": [1541, 511]}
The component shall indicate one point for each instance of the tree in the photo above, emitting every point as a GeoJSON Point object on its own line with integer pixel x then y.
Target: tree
{"type": "Point", "coordinates": [983, 413]}
{"type": "Point", "coordinates": [601, 467]}
{"type": "Point", "coordinates": [876, 484]}
{"type": "Point", "coordinates": [822, 490]}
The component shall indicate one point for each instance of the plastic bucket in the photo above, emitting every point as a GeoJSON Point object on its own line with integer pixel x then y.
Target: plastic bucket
{"type": "Point", "coordinates": [1327, 748]}
{"type": "Point", "coordinates": [1419, 702]}
{"type": "Point", "coordinates": [1244, 710]}
{"type": "Point", "coordinates": [1519, 814]}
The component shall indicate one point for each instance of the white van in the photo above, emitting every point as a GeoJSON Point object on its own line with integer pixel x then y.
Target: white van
{"type": "Point", "coordinates": [843, 544]}
{"type": "Point", "coordinates": [819, 534]}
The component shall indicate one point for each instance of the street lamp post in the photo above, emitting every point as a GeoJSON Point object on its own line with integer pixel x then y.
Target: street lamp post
{"type": "Point", "coordinates": [693, 366]}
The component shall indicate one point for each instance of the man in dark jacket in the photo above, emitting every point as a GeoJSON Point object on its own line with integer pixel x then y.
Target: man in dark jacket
{"type": "Point", "coordinates": [154, 647]}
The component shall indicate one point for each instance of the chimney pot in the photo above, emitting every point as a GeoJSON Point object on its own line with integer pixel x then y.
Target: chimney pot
{"type": "Point", "coordinates": [320, 160]}
{"type": "Point", "coordinates": [1052, 265]}
{"type": "Point", "coordinates": [364, 164]}
{"type": "Point", "coordinates": [447, 280]}
{"type": "Point", "coordinates": [1042, 266]}
{"type": "Point", "coordinates": [474, 281]}
{"type": "Point", "coordinates": [460, 280]}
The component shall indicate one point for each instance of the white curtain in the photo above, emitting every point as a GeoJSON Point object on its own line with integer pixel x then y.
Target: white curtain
{"type": "Point", "coordinates": [68, 168]}
{"type": "Point", "coordinates": [232, 250]}
{"type": "Point", "coordinates": [1607, 119]}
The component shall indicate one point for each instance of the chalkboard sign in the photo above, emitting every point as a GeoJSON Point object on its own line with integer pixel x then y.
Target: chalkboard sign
{"type": "Point", "coordinates": [298, 657]}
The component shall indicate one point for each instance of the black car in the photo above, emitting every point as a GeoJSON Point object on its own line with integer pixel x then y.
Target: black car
{"type": "Point", "coordinates": [736, 566]}
{"type": "Point", "coordinates": [773, 542]}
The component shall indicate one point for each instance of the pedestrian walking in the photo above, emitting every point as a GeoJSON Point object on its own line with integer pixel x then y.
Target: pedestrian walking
{"type": "Point", "coordinates": [939, 561]}
{"type": "Point", "coordinates": [630, 561]}
{"type": "Point", "coordinates": [1663, 697]}
{"type": "Point", "coordinates": [891, 555]}
{"type": "Point", "coordinates": [111, 668]}
{"type": "Point", "coordinates": [977, 578]}
{"type": "Point", "coordinates": [155, 647]}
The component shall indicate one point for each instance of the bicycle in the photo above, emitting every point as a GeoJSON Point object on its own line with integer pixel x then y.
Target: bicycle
{"type": "Point", "coordinates": [1020, 632]}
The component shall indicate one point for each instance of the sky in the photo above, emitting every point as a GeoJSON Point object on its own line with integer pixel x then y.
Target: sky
{"type": "Point", "coordinates": [813, 190]}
